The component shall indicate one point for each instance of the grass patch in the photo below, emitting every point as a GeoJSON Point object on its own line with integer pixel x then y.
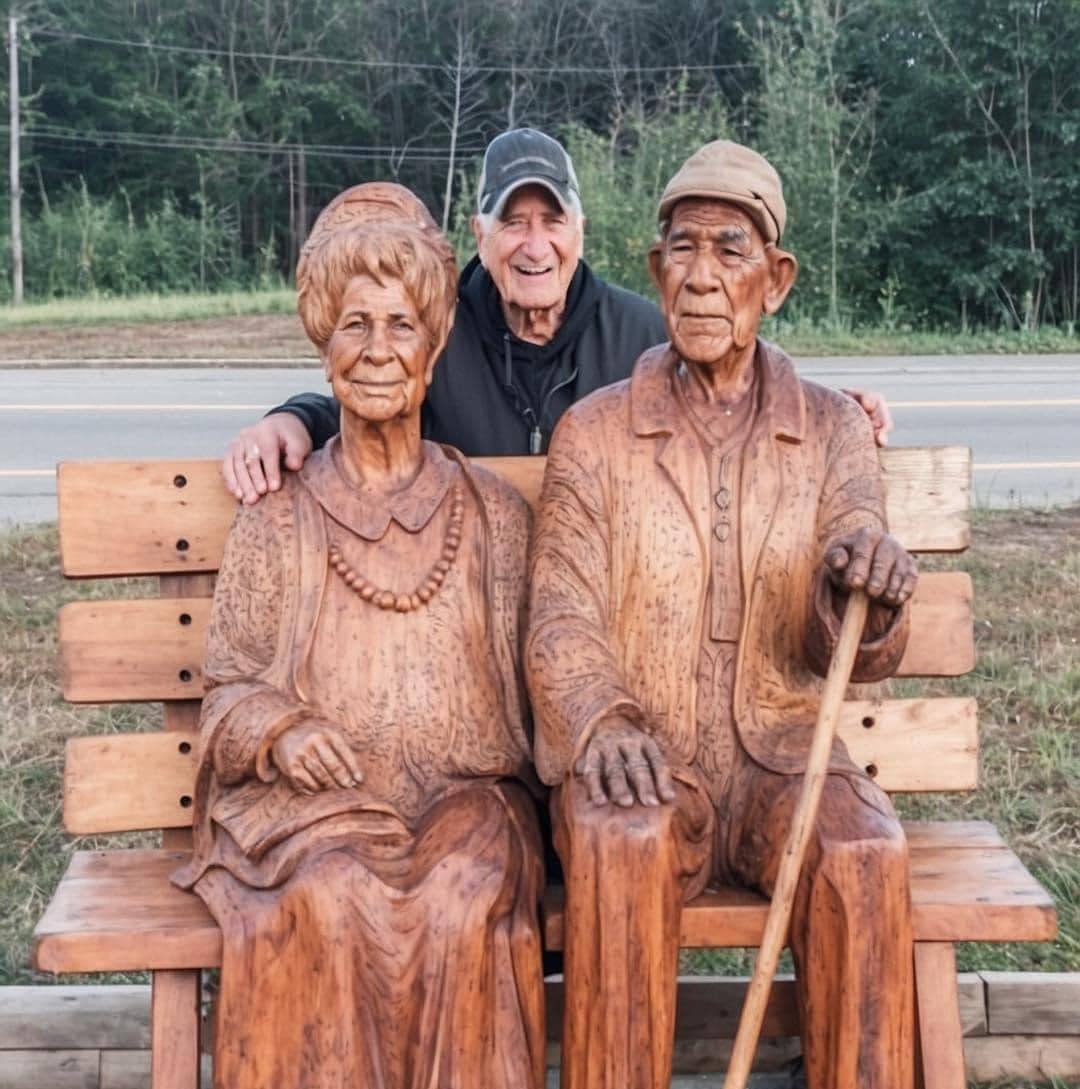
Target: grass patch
{"type": "Point", "coordinates": [801, 336]}
{"type": "Point", "coordinates": [34, 724]}
{"type": "Point", "coordinates": [1026, 570]}
{"type": "Point", "coordinates": [100, 310]}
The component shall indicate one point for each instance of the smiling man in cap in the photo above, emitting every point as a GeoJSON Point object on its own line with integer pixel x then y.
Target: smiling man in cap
{"type": "Point", "coordinates": [700, 528]}
{"type": "Point", "coordinates": [535, 329]}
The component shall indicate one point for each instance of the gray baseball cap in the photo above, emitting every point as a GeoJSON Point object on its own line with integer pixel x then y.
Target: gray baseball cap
{"type": "Point", "coordinates": [526, 157]}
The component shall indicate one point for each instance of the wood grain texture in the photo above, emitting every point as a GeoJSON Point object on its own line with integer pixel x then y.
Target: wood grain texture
{"type": "Point", "coordinates": [942, 639]}
{"type": "Point", "coordinates": [133, 650]}
{"type": "Point", "coordinates": [128, 782]}
{"type": "Point", "coordinates": [1032, 1058]}
{"type": "Point", "coordinates": [131, 1070]}
{"type": "Point", "coordinates": [1026, 1004]}
{"type": "Point", "coordinates": [152, 649]}
{"type": "Point", "coordinates": [116, 911]}
{"type": "Point", "coordinates": [708, 1006]}
{"type": "Point", "coordinates": [940, 1045]}
{"type": "Point", "coordinates": [74, 1017]}
{"type": "Point", "coordinates": [145, 517]}
{"type": "Point", "coordinates": [174, 1019]}
{"type": "Point", "coordinates": [959, 893]}
{"type": "Point", "coordinates": [928, 491]}
{"type": "Point", "coordinates": [128, 517]}
{"type": "Point", "coordinates": [182, 715]}
{"type": "Point", "coordinates": [68, 1069]}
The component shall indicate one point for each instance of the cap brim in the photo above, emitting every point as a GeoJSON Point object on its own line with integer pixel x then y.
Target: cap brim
{"type": "Point", "coordinates": [562, 196]}
{"type": "Point", "coordinates": [754, 207]}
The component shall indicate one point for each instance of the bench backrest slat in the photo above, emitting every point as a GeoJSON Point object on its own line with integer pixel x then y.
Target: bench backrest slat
{"type": "Point", "coordinates": [162, 517]}
{"type": "Point", "coordinates": [127, 782]}
{"type": "Point", "coordinates": [152, 649]}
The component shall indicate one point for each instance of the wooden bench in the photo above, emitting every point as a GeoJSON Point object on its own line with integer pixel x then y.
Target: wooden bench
{"type": "Point", "coordinates": [116, 910]}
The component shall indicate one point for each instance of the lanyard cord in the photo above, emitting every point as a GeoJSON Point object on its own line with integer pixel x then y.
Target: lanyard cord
{"type": "Point", "coordinates": [526, 410]}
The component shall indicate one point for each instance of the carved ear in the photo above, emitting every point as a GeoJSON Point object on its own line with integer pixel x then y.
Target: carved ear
{"type": "Point", "coordinates": [783, 268]}
{"type": "Point", "coordinates": [655, 260]}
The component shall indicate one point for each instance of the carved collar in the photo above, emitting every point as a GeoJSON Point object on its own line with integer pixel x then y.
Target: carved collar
{"type": "Point", "coordinates": [654, 407]}
{"type": "Point", "coordinates": [367, 512]}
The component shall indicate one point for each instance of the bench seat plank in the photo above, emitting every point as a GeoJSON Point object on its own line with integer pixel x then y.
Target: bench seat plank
{"type": "Point", "coordinates": [117, 911]}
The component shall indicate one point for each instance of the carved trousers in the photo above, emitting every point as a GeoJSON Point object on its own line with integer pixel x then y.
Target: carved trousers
{"type": "Point", "coordinates": [629, 871]}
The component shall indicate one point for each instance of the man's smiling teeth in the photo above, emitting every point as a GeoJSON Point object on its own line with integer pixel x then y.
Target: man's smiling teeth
{"type": "Point", "coordinates": [533, 270]}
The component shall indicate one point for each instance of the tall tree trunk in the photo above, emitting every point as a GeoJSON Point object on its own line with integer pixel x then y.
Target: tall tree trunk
{"type": "Point", "coordinates": [16, 188]}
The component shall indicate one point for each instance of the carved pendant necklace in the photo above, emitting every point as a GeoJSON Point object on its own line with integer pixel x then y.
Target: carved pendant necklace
{"type": "Point", "coordinates": [428, 586]}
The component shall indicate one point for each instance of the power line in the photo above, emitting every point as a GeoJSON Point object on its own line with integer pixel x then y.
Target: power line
{"type": "Point", "coordinates": [349, 62]}
{"type": "Point", "coordinates": [153, 141]}
{"type": "Point", "coordinates": [231, 142]}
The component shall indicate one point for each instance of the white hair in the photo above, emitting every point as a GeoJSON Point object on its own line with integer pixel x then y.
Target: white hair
{"type": "Point", "coordinates": [487, 220]}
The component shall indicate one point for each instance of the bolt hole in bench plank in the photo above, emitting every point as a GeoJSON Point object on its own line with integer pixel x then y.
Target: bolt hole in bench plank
{"type": "Point", "coordinates": [117, 911]}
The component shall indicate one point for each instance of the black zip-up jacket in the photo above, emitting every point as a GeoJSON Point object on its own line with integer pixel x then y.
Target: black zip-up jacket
{"type": "Point", "coordinates": [493, 393]}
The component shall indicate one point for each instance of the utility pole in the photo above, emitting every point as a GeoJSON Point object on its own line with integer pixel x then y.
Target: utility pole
{"type": "Point", "coordinates": [16, 192]}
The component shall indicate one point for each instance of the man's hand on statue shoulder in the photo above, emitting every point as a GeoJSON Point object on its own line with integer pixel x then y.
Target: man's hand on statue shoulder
{"type": "Point", "coordinates": [877, 408]}
{"type": "Point", "coordinates": [624, 765]}
{"type": "Point", "coordinates": [874, 561]}
{"type": "Point", "coordinates": [314, 756]}
{"type": "Point", "coordinates": [253, 460]}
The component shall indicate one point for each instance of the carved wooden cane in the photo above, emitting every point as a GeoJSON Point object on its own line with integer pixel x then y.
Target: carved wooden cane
{"type": "Point", "coordinates": [779, 917]}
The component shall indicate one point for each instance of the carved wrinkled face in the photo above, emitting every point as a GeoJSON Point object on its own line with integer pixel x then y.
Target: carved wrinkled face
{"type": "Point", "coordinates": [532, 252]}
{"type": "Point", "coordinates": [379, 358]}
{"type": "Point", "coordinates": [716, 278]}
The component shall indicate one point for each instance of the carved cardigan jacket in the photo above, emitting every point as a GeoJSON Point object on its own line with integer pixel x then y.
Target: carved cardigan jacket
{"type": "Point", "coordinates": [263, 677]}
{"type": "Point", "coordinates": [620, 565]}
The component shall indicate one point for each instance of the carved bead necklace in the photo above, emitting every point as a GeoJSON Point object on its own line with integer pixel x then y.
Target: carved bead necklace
{"type": "Point", "coordinates": [428, 586]}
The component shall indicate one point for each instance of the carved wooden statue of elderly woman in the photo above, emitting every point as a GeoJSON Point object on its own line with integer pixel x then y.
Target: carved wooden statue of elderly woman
{"type": "Point", "coordinates": [365, 836]}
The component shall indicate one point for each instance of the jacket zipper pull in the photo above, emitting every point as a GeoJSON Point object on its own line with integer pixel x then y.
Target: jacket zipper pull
{"type": "Point", "coordinates": [536, 441]}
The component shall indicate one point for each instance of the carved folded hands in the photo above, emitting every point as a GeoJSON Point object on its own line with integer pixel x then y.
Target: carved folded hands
{"type": "Point", "coordinates": [874, 561]}
{"type": "Point", "coordinates": [314, 756]}
{"type": "Point", "coordinates": [623, 764]}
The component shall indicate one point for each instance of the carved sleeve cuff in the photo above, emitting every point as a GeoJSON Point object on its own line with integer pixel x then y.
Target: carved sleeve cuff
{"type": "Point", "coordinates": [884, 637]}
{"type": "Point", "coordinates": [242, 748]}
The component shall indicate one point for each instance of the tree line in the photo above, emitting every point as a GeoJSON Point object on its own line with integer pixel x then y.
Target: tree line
{"type": "Point", "coordinates": [929, 148]}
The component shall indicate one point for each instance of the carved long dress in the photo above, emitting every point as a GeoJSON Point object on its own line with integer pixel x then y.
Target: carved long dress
{"type": "Point", "coordinates": [384, 936]}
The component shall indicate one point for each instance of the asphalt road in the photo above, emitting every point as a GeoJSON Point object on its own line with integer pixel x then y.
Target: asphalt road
{"type": "Point", "coordinates": [1020, 415]}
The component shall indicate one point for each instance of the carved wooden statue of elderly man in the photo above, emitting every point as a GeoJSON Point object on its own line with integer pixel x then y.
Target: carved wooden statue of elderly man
{"type": "Point", "coordinates": [700, 528]}
{"type": "Point", "coordinates": [363, 835]}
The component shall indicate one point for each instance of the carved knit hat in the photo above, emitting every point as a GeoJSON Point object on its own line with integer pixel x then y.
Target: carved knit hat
{"type": "Point", "coordinates": [375, 202]}
{"type": "Point", "coordinates": [371, 205]}
{"type": "Point", "coordinates": [727, 171]}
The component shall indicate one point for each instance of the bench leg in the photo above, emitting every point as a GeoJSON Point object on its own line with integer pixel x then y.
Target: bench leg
{"type": "Point", "coordinates": [940, 1035]}
{"type": "Point", "coordinates": [174, 1030]}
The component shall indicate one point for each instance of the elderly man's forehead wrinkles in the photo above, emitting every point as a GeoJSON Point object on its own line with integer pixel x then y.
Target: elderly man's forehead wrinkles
{"type": "Point", "coordinates": [710, 214]}
{"type": "Point", "coordinates": [733, 235]}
